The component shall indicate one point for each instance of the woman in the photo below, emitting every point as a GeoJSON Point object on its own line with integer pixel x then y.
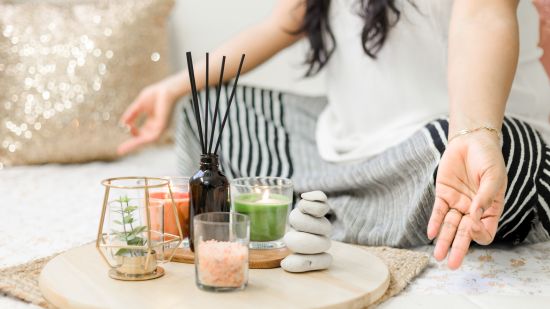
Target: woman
{"type": "Point", "coordinates": [394, 68]}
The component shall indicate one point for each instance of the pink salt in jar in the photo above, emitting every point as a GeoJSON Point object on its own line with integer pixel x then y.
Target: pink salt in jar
{"type": "Point", "coordinates": [221, 253]}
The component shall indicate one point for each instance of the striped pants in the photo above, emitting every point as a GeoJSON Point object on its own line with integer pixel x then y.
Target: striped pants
{"type": "Point", "coordinates": [383, 200]}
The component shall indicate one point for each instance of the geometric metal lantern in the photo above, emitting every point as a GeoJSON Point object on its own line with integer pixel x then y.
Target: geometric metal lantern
{"type": "Point", "coordinates": [131, 236]}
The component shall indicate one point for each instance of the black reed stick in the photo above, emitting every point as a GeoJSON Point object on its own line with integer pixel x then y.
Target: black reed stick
{"type": "Point", "coordinates": [216, 107]}
{"type": "Point", "coordinates": [229, 103]}
{"type": "Point", "coordinates": [195, 99]}
{"type": "Point", "coordinates": [206, 106]}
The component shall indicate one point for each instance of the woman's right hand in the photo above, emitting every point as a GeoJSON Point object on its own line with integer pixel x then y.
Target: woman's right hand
{"type": "Point", "coordinates": [260, 43]}
{"type": "Point", "coordinates": [155, 102]}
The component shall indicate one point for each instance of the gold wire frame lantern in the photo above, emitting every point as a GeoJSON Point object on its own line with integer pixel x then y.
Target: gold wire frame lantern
{"type": "Point", "coordinates": [131, 237]}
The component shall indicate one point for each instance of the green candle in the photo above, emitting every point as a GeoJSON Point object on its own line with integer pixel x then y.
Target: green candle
{"type": "Point", "coordinates": [268, 214]}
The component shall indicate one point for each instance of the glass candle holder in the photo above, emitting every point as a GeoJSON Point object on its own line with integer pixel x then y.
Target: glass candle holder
{"type": "Point", "coordinates": [221, 251]}
{"type": "Point", "coordinates": [267, 201]}
{"type": "Point", "coordinates": [180, 192]}
{"type": "Point", "coordinates": [132, 237]}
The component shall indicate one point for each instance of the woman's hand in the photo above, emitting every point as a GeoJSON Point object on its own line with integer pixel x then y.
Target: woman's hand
{"type": "Point", "coordinates": [260, 42]}
{"type": "Point", "coordinates": [155, 102]}
{"type": "Point", "coordinates": [470, 186]}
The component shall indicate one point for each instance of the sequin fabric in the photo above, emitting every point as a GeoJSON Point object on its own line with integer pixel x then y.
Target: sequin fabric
{"type": "Point", "coordinates": [68, 70]}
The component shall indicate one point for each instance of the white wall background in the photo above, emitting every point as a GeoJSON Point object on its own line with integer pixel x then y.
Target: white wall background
{"type": "Point", "coordinates": [201, 25]}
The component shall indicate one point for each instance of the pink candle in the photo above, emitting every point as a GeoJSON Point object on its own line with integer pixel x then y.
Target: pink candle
{"type": "Point", "coordinates": [182, 205]}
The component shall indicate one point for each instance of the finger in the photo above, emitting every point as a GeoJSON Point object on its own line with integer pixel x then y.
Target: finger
{"type": "Point", "coordinates": [447, 234]}
{"type": "Point", "coordinates": [131, 113]}
{"type": "Point", "coordinates": [439, 211]}
{"type": "Point", "coordinates": [488, 190]}
{"type": "Point", "coordinates": [461, 243]}
{"type": "Point", "coordinates": [133, 143]}
{"type": "Point", "coordinates": [480, 234]}
{"type": "Point", "coordinates": [133, 130]}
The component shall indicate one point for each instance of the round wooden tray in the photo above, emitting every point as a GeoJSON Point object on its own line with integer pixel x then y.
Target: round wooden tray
{"type": "Point", "coordinates": [258, 259]}
{"type": "Point", "coordinates": [78, 279]}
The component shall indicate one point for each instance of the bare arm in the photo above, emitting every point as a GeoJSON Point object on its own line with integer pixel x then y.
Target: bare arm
{"type": "Point", "coordinates": [483, 55]}
{"type": "Point", "coordinates": [471, 178]}
{"type": "Point", "coordinates": [259, 43]}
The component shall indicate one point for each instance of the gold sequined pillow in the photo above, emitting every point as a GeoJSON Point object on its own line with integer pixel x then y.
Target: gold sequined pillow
{"type": "Point", "coordinates": [68, 70]}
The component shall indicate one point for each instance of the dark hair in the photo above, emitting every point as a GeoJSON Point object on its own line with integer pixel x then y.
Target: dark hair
{"type": "Point", "coordinates": [377, 15]}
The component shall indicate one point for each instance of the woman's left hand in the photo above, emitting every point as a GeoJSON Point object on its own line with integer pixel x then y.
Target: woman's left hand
{"type": "Point", "coordinates": [470, 186]}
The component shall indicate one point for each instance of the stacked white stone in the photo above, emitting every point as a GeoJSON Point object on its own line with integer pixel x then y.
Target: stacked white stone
{"type": "Point", "coordinates": [310, 238]}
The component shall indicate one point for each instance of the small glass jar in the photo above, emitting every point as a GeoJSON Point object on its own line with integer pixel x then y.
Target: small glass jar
{"type": "Point", "coordinates": [221, 251]}
{"type": "Point", "coordinates": [179, 186]}
{"type": "Point", "coordinates": [267, 202]}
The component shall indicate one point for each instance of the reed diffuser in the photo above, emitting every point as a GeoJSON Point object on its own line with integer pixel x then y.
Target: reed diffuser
{"type": "Point", "coordinates": [208, 188]}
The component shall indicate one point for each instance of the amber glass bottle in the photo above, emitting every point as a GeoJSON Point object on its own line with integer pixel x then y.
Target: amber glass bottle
{"type": "Point", "coordinates": [209, 191]}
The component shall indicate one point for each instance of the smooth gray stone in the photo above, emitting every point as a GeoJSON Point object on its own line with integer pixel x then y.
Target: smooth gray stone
{"type": "Point", "coordinates": [309, 224]}
{"type": "Point", "coordinates": [319, 196]}
{"type": "Point", "coordinates": [306, 243]}
{"type": "Point", "coordinates": [316, 209]}
{"type": "Point", "coordinates": [299, 263]}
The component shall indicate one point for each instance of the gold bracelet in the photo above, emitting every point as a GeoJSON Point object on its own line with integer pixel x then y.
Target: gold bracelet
{"type": "Point", "coordinates": [468, 131]}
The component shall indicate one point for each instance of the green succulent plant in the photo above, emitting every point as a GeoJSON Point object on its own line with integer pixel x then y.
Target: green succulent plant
{"type": "Point", "coordinates": [129, 233]}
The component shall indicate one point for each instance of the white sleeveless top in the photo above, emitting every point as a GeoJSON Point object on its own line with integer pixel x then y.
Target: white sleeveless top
{"type": "Point", "coordinates": [376, 104]}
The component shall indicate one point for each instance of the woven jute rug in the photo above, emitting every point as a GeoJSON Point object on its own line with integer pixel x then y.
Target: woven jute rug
{"type": "Point", "coordinates": [404, 266]}
{"type": "Point", "coordinates": [21, 281]}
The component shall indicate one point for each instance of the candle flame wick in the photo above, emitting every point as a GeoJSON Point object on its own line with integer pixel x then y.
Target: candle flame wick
{"type": "Point", "coordinates": [265, 196]}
